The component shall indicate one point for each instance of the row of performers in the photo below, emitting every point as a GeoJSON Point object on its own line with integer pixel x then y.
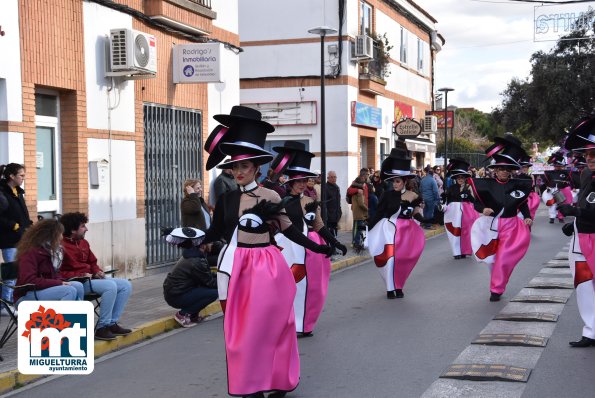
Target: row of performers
{"type": "Point", "coordinates": [490, 218]}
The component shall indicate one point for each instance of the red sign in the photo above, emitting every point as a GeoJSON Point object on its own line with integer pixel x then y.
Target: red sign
{"type": "Point", "coordinates": [440, 116]}
{"type": "Point", "coordinates": [402, 110]}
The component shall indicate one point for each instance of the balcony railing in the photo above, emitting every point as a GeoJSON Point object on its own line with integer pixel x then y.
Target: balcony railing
{"type": "Point", "coordinates": [374, 67]}
{"type": "Point", "coordinates": [204, 3]}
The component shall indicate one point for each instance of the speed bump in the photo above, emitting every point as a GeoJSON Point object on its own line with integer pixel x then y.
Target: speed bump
{"type": "Point", "coordinates": [482, 372]}
{"type": "Point", "coordinates": [561, 256]}
{"type": "Point", "coordinates": [550, 285]}
{"type": "Point", "coordinates": [507, 339]}
{"type": "Point", "coordinates": [527, 317]}
{"type": "Point", "coordinates": [540, 299]}
{"type": "Point", "coordinates": [557, 264]}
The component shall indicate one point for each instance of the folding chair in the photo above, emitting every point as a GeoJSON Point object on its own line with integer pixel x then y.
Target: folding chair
{"type": "Point", "coordinates": [10, 271]}
{"type": "Point", "coordinates": [92, 296]}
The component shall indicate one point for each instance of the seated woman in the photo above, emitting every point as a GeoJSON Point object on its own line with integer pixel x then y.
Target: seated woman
{"type": "Point", "coordinates": [39, 256]}
{"type": "Point", "coordinates": [190, 286]}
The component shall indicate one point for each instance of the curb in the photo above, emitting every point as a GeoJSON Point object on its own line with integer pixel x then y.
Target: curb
{"type": "Point", "coordinates": [13, 379]}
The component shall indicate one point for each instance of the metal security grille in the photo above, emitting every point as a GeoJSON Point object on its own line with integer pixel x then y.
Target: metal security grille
{"type": "Point", "coordinates": [172, 154]}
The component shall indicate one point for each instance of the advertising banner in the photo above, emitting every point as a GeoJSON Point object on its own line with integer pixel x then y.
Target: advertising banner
{"type": "Point", "coordinates": [440, 116]}
{"type": "Point", "coordinates": [197, 63]}
{"type": "Point", "coordinates": [365, 115]}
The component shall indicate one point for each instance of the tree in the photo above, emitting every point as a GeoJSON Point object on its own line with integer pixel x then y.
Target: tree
{"type": "Point", "coordinates": [559, 90]}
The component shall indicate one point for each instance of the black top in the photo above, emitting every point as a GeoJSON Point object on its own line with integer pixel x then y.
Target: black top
{"type": "Point", "coordinates": [408, 207]}
{"type": "Point", "coordinates": [585, 222]}
{"type": "Point", "coordinates": [191, 270]}
{"type": "Point", "coordinates": [559, 178]}
{"type": "Point", "coordinates": [295, 212]}
{"type": "Point", "coordinates": [454, 194]}
{"type": "Point", "coordinates": [511, 196]}
{"type": "Point", "coordinates": [575, 179]}
{"type": "Point", "coordinates": [14, 212]}
{"type": "Point", "coordinates": [389, 204]}
{"type": "Point", "coordinates": [333, 203]}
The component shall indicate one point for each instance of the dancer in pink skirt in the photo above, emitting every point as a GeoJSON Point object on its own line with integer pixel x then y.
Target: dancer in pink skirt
{"type": "Point", "coordinates": [534, 199]}
{"type": "Point", "coordinates": [460, 213]}
{"type": "Point", "coordinates": [499, 237]}
{"type": "Point", "coordinates": [396, 240]}
{"type": "Point", "coordinates": [256, 288]}
{"type": "Point", "coordinates": [557, 180]}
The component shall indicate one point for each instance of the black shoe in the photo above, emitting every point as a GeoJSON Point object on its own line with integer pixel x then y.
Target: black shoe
{"type": "Point", "coordinates": [561, 220]}
{"type": "Point", "coordinates": [551, 220]}
{"type": "Point", "coordinates": [584, 342]}
{"type": "Point", "coordinates": [118, 330]}
{"type": "Point", "coordinates": [463, 256]}
{"type": "Point", "coordinates": [495, 296]}
{"type": "Point", "coordinates": [257, 395]}
{"type": "Point", "coordinates": [391, 295]}
{"type": "Point", "coordinates": [458, 257]}
{"type": "Point", "coordinates": [104, 333]}
{"type": "Point", "coordinates": [277, 394]}
{"type": "Point", "coordinates": [304, 334]}
{"type": "Point", "coordinates": [399, 293]}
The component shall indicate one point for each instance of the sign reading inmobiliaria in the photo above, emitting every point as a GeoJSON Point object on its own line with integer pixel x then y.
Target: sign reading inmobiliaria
{"type": "Point", "coordinates": [56, 337]}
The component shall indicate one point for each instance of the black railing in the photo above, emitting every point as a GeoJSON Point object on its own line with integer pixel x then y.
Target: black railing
{"type": "Point", "coordinates": [204, 3]}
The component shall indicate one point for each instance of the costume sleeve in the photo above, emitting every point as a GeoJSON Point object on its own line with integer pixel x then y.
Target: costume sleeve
{"type": "Point", "coordinates": [296, 236]}
{"type": "Point", "coordinates": [318, 223]}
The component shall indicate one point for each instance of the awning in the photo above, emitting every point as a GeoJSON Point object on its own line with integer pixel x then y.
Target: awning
{"type": "Point", "coordinates": [420, 145]}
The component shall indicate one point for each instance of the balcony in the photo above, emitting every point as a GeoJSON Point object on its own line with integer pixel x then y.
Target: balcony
{"type": "Point", "coordinates": [204, 3]}
{"type": "Point", "coordinates": [371, 75]}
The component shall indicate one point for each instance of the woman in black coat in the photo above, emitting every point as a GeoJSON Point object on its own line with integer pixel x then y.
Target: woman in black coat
{"type": "Point", "coordinates": [14, 216]}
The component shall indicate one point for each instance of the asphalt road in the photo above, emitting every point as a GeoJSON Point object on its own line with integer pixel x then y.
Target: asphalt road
{"type": "Point", "coordinates": [364, 344]}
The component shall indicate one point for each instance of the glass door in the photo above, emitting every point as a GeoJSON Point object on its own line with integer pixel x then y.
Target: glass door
{"type": "Point", "coordinates": [47, 165]}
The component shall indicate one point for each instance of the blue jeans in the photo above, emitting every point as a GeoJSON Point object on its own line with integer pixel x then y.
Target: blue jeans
{"type": "Point", "coordinates": [8, 255]}
{"type": "Point", "coordinates": [429, 208]}
{"type": "Point", "coordinates": [73, 292]}
{"type": "Point", "coordinates": [115, 293]}
{"type": "Point", "coordinates": [193, 300]}
{"type": "Point", "coordinates": [358, 228]}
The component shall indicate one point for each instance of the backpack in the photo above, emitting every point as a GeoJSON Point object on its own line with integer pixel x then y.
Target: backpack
{"type": "Point", "coordinates": [348, 198]}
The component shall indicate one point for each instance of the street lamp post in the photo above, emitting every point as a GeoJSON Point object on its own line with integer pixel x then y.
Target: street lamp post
{"type": "Point", "coordinates": [445, 90]}
{"type": "Point", "coordinates": [322, 31]}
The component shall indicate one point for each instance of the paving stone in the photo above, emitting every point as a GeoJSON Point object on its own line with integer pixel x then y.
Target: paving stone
{"type": "Point", "coordinates": [523, 357]}
{"type": "Point", "coordinates": [558, 272]}
{"type": "Point", "coordinates": [554, 292]}
{"type": "Point", "coordinates": [510, 339]}
{"type": "Point", "coordinates": [550, 308]}
{"type": "Point", "coordinates": [551, 283]}
{"type": "Point", "coordinates": [540, 299]}
{"type": "Point", "coordinates": [542, 329]}
{"type": "Point", "coordinates": [461, 388]}
{"type": "Point", "coordinates": [489, 372]}
{"type": "Point", "coordinates": [527, 317]}
{"type": "Point", "coordinates": [561, 256]}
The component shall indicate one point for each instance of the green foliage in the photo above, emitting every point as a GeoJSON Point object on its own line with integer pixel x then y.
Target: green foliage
{"type": "Point", "coordinates": [560, 89]}
{"type": "Point", "coordinates": [458, 145]}
{"type": "Point", "coordinates": [382, 52]}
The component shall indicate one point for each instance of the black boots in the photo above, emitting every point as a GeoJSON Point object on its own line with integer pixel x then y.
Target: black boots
{"type": "Point", "coordinates": [584, 342]}
{"type": "Point", "coordinates": [495, 296]}
{"type": "Point", "coordinates": [395, 294]}
{"type": "Point", "coordinates": [460, 256]}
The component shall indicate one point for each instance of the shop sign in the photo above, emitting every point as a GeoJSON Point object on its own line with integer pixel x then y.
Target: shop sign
{"type": "Point", "coordinates": [197, 63]}
{"type": "Point", "coordinates": [551, 22]}
{"type": "Point", "coordinates": [407, 128]}
{"type": "Point", "coordinates": [366, 115]}
{"type": "Point", "coordinates": [440, 116]}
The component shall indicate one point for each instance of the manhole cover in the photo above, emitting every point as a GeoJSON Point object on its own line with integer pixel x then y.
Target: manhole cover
{"type": "Point", "coordinates": [550, 285]}
{"type": "Point", "coordinates": [540, 299]}
{"type": "Point", "coordinates": [527, 317]}
{"type": "Point", "coordinates": [507, 339]}
{"type": "Point", "coordinates": [480, 372]}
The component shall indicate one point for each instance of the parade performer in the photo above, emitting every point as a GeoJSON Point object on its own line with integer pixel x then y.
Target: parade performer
{"type": "Point", "coordinates": [310, 270]}
{"type": "Point", "coordinates": [558, 182]}
{"type": "Point", "coordinates": [395, 239]}
{"type": "Point", "coordinates": [534, 199]}
{"type": "Point", "coordinates": [460, 213]}
{"type": "Point", "coordinates": [581, 254]}
{"type": "Point", "coordinates": [256, 287]}
{"type": "Point", "coordinates": [499, 237]}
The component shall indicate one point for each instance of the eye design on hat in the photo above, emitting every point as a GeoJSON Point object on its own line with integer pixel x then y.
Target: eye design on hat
{"type": "Point", "coordinates": [591, 198]}
{"type": "Point", "coordinates": [517, 194]}
{"type": "Point", "coordinates": [251, 221]}
{"type": "Point", "coordinates": [310, 216]}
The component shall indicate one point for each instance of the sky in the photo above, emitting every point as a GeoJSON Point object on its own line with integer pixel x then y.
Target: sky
{"type": "Point", "coordinates": [487, 44]}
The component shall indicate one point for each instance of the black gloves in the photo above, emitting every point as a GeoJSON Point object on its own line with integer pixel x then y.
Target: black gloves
{"type": "Point", "coordinates": [326, 234]}
{"type": "Point", "coordinates": [568, 229]}
{"type": "Point", "coordinates": [296, 236]}
{"type": "Point", "coordinates": [569, 210]}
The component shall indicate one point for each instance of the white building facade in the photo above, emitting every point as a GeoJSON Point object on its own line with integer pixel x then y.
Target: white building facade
{"type": "Point", "coordinates": [280, 75]}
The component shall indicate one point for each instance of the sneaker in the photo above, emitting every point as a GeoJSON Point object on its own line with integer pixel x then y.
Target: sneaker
{"type": "Point", "coordinates": [184, 320]}
{"type": "Point", "coordinates": [104, 333]}
{"type": "Point", "coordinates": [118, 330]}
{"type": "Point", "coordinates": [196, 318]}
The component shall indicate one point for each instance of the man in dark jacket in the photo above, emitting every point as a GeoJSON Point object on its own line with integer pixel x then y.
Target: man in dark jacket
{"type": "Point", "coordinates": [333, 202]}
{"type": "Point", "coordinates": [190, 286]}
{"type": "Point", "coordinates": [224, 183]}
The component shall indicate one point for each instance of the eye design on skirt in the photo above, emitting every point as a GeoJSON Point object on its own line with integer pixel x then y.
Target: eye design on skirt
{"type": "Point", "coordinates": [517, 194]}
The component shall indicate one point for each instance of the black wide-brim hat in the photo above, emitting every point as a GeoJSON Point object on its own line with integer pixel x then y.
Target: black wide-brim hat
{"type": "Point", "coordinates": [525, 161]}
{"type": "Point", "coordinates": [219, 135]}
{"type": "Point", "coordinates": [582, 135]}
{"type": "Point", "coordinates": [397, 164]}
{"type": "Point", "coordinates": [506, 152]}
{"type": "Point", "coordinates": [579, 161]}
{"type": "Point", "coordinates": [458, 167]}
{"type": "Point", "coordinates": [249, 135]}
{"type": "Point", "coordinates": [557, 159]}
{"type": "Point", "coordinates": [294, 161]}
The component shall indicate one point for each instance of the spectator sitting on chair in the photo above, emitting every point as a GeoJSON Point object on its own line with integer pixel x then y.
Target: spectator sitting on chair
{"type": "Point", "coordinates": [79, 261]}
{"type": "Point", "coordinates": [39, 255]}
{"type": "Point", "coordinates": [190, 286]}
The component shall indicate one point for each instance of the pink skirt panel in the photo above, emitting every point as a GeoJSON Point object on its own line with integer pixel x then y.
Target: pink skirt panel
{"type": "Point", "coordinates": [514, 238]}
{"type": "Point", "coordinates": [469, 217]}
{"type": "Point", "coordinates": [318, 274]}
{"type": "Point", "coordinates": [533, 203]}
{"type": "Point", "coordinates": [259, 323]}
{"type": "Point", "coordinates": [410, 241]}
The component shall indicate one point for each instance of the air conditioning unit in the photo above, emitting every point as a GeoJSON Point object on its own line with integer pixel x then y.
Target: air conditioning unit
{"type": "Point", "coordinates": [430, 124]}
{"type": "Point", "coordinates": [363, 47]}
{"type": "Point", "coordinates": [132, 53]}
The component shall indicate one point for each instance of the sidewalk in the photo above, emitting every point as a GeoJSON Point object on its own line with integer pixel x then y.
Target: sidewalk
{"type": "Point", "coordinates": [148, 315]}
